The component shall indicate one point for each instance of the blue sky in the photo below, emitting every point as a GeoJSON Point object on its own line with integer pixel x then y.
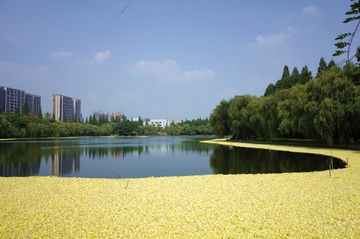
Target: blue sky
{"type": "Point", "coordinates": [162, 58]}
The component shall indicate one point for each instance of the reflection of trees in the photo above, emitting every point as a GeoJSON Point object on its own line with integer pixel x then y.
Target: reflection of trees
{"type": "Point", "coordinates": [18, 159]}
{"type": "Point", "coordinates": [227, 160]}
{"type": "Point", "coordinates": [23, 158]}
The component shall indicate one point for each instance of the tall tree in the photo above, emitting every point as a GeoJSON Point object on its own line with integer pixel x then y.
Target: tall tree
{"type": "Point", "coordinates": [64, 117]}
{"type": "Point", "coordinates": [239, 116]}
{"type": "Point", "coordinates": [286, 72]}
{"type": "Point", "coordinates": [140, 122]}
{"type": "Point", "coordinates": [75, 118]}
{"type": "Point", "coordinates": [219, 119]}
{"type": "Point", "coordinates": [285, 81]}
{"type": "Point", "coordinates": [25, 108]}
{"type": "Point", "coordinates": [295, 76]}
{"type": "Point", "coordinates": [0, 110]}
{"type": "Point", "coordinates": [17, 111]}
{"type": "Point", "coordinates": [270, 90]}
{"type": "Point", "coordinates": [331, 64]}
{"type": "Point", "coordinates": [40, 116]}
{"type": "Point", "coordinates": [305, 76]}
{"type": "Point", "coordinates": [322, 67]}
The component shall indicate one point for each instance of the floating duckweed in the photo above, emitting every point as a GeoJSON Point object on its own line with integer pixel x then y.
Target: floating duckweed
{"type": "Point", "coordinates": [291, 205]}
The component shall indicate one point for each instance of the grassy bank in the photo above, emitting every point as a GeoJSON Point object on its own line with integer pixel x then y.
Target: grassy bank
{"type": "Point", "coordinates": [292, 205]}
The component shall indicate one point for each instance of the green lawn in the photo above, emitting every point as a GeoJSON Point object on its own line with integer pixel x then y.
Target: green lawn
{"type": "Point", "coordinates": [290, 205]}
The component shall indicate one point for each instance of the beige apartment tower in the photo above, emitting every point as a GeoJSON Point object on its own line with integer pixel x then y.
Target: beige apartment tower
{"type": "Point", "coordinates": [64, 106]}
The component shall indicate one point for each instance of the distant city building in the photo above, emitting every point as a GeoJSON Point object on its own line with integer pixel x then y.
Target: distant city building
{"type": "Point", "coordinates": [177, 122]}
{"type": "Point", "coordinates": [11, 98]}
{"type": "Point", "coordinates": [118, 115]}
{"type": "Point", "coordinates": [77, 109]}
{"type": "Point", "coordinates": [65, 106]}
{"type": "Point", "coordinates": [34, 103]}
{"type": "Point", "coordinates": [156, 122]}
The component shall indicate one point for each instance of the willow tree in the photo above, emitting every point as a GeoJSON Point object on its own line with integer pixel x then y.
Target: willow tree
{"type": "Point", "coordinates": [239, 116]}
{"type": "Point", "coordinates": [219, 119]}
{"type": "Point", "coordinates": [337, 111]}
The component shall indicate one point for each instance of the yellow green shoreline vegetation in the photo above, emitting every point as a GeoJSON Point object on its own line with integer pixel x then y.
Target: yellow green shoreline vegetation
{"type": "Point", "coordinates": [291, 205]}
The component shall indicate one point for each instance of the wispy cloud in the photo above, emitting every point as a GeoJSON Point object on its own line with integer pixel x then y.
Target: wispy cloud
{"type": "Point", "coordinates": [275, 39]}
{"type": "Point", "coordinates": [17, 73]}
{"type": "Point", "coordinates": [61, 54]}
{"type": "Point", "coordinates": [168, 70]}
{"type": "Point", "coordinates": [311, 10]}
{"type": "Point", "coordinates": [100, 57]}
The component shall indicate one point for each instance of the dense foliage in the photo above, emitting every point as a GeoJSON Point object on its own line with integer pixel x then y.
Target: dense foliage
{"type": "Point", "coordinates": [21, 126]}
{"type": "Point", "coordinates": [326, 107]}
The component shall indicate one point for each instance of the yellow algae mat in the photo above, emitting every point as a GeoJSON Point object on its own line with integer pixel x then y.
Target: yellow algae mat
{"type": "Point", "coordinates": [289, 205]}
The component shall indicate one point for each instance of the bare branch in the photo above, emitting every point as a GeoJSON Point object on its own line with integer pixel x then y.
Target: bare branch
{"type": "Point", "coordinates": [117, 14]}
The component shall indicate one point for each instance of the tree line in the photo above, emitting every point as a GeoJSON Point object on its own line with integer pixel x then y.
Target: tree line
{"type": "Point", "coordinates": [26, 125]}
{"type": "Point", "coordinates": [326, 107]}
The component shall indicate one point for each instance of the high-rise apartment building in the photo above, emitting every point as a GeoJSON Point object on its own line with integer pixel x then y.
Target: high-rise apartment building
{"type": "Point", "coordinates": [11, 98]}
{"type": "Point", "coordinates": [64, 106]}
{"type": "Point", "coordinates": [34, 102]}
{"type": "Point", "coordinates": [77, 109]}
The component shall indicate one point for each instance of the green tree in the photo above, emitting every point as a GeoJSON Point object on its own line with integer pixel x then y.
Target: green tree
{"type": "Point", "coordinates": [75, 118]}
{"type": "Point", "coordinates": [140, 122]}
{"type": "Point", "coordinates": [239, 116]}
{"type": "Point", "coordinates": [331, 64]}
{"type": "Point", "coordinates": [353, 13]}
{"type": "Point", "coordinates": [322, 67]}
{"type": "Point", "coordinates": [1, 110]}
{"type": "Point", "coordinates": [270, 90]}
{"type": "Point", "coordinates": [335, 105]}
{"type": "Point", "coordinates": [25, 108]}
{"type": "Point", "coordinates": [305, 75]}
{"type": "Point", "coordinates": [295, 76]}
{"type": "Point", "coordinates": [17, 111]}
{"type": "Point", "coordinates": [64, 118]}
{"type": "Point", "coordinates": [40, 115]}
{"type": "Point", "coordinates": [219, 119]}
{"type": "Point", "coordinates": [53, 118]}
{"type": "Point", "coordinates": [285, 82]}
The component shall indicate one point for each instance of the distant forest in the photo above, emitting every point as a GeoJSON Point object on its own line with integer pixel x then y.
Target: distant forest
{"type": "Point", "coordinates": [27, 125]}
{"type": "Point", "coordinates": [326, 107]}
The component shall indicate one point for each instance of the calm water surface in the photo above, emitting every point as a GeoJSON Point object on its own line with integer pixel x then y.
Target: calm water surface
{"type": "Point", "coordinates": [146, 157]}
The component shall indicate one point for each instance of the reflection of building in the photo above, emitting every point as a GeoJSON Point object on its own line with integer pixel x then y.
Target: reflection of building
{"type": "Point", "coordinates": [11, 98]}
{"type": "Point", "coordinates": [12, 170]}
{"type": "Point", "coordinates": [65, 106]}
{"type": "Point", "coordinates": [117, 154]}
{"type": "Point", "coordinates": [62, 164]}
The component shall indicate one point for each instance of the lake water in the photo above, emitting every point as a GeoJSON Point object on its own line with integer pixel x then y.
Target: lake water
{"type": "Point", "coordinates": [97, 157]}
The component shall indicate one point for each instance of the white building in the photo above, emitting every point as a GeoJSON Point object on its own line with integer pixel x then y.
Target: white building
{"type": "Point", "coordinates": [156, 122]}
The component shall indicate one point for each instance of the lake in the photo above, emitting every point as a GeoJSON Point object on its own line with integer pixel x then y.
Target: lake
{"type": "Point", "coordinates": [105, 157]}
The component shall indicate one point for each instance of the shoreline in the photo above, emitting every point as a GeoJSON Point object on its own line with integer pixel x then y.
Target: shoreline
{"type": "Point", "coordinates": [291, 205]}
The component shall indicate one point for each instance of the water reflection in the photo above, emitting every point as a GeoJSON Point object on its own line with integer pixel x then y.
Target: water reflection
{"type": "Point", "coordinates": [24, 158]}
{"type": "Point", "coordinates": [64, 163]}
{"type": "Point", "coordinates": [234, 160]}
{"type": "Point", "coordinates": [145, 157]}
